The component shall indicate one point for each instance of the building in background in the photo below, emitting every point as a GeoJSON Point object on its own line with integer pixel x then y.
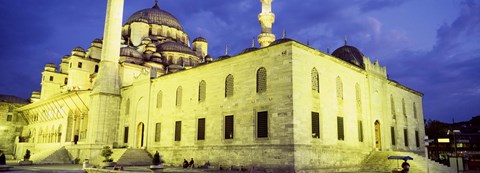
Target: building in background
{"type": "Point", "coordinates": [466, 139]}
{"type": "Point", "coordinates": [11, 124]}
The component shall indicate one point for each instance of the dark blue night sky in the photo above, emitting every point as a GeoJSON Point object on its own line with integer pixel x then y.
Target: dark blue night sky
{"type": "Point", "coordinates": [429, 45]}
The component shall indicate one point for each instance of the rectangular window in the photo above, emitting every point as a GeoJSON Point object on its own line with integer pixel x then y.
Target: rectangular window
{"type": "Point", "coordinates": [229, 127]}
{"type": "Point", "coordinates": [341, 134]}
{"type": "Point", "coordinates": [315, 125]}
{"type": "Point", "coordinates": [178, 130]}
{"type": "Point", "coordinates": [80, 64]}
{"type": "Point", "coordinates": [417, 140]}
{"type": "Point", "coordinates": [360, 131]}
{"type": "Point", "coordinates": [405, 136]}
{"type": "Point", "coordinates": [9, 117]}
{"type": "Point", "coordinates": [125, 135]}
{"type": "Point", "coordinates": [392, 134]}
{"type": "Point", "coordinates": [51, 78]}
{"type": "Point", "coordinates": [157, 132]}
{"type": "Point", "coordinates": [262, 124]}
{"type": "Point", "coordinates": [201, 129]}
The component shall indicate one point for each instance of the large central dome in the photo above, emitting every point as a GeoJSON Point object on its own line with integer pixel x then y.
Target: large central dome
{"type": "Point", "coordinates": [155, 15]}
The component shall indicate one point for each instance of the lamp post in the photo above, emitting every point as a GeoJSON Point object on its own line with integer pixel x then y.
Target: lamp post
{"type": "Point", "coordinates": [427, 142]}
{"type": "Point", "coordinates": [455, 143]}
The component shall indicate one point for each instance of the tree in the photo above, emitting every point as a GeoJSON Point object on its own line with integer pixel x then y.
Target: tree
{"type": "Point", "coordinates": [106, 153]}
{"type": "Point", "coordinates": [436, 129]}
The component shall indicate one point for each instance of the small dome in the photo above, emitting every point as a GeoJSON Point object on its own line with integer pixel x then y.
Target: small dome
{"type": "Point", "coordinates": [223, 57]}
{"type": "Point", "coordinates": [175, 68]}
{"type": "Point", "coordinates": [79, 49]}
{"type": "Point", "coordinates": [200, 39]}
{"type": "Point", "coordinates": [52, 65]}
{"type": "Point", "coordinates": [155, 15]}
{"type": "Point", "coordinates": [282, 40]}
{"type": "Point", "coordinates": [130, 52]}
{"type": "Point", "coordinates": [97, 40]}
{"type": "Point", "coordinates": [174, 47]}
{"type": "Point", "coordinates": [208, 58]}
{"type": "Point", "coordinates": [248, 50]}
{"type": "Point", "coordinates": [349, 54]}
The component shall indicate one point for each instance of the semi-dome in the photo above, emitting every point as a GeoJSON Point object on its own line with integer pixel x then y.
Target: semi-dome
{"type": "Point", "coordinates": [349, 54]}
{"type": "Point", "coordinates": [174, 47]}
{"type": "Point", "coordinates": [155, 15]}
{"type": "Point", "coordinates": [130, 52]}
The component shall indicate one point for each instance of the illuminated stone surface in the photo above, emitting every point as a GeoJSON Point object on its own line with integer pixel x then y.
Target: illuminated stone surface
{"type": "Point", "coordinates": [143, 92]}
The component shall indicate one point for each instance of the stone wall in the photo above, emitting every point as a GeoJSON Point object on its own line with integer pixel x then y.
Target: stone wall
{"type": "Point", "coordinates": [11, 125]}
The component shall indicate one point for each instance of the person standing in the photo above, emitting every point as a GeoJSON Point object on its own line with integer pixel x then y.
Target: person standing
{"type": "Point", "coordinates": [405, 166]}
{"type": "Point", "coordinates": [3, 161]}
{"type": "Point", "coordinates": [192, 163]}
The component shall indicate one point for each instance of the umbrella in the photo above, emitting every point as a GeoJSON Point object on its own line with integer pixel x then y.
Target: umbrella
{"type": "Point", "coordinates": [399, 158]}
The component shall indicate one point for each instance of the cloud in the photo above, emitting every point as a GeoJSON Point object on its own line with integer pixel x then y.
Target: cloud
{"type": "Point", "coordinates": [372, 5]}
{"type": "Point", "coordinates": [447, 74]}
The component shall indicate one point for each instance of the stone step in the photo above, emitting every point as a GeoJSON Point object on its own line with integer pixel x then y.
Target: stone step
{"type": "Point", "coordinates": [53, 156]}
{"type": "Point", "coordinates": [135, 157]}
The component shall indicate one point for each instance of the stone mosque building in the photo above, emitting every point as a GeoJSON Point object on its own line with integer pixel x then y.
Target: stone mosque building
{"type": "Point", "coordinates": [283, 105]}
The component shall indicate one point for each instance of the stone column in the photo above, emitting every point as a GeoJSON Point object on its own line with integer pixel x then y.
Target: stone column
{"type": "Point", "coordinates": [105, 97]}
{"type": "Point", "coordinates": [266, 19]}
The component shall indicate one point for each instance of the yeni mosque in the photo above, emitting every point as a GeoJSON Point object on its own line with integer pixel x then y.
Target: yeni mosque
{"type": "Point", "coordinates": [284, 105]}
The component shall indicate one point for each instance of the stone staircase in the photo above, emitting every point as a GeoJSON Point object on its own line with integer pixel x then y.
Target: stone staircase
{"type": "Point", "coordinates": [378, 162]}
{"type": "Point", "coordinates": [53, 156]}
{"type": "Point", "coordinates": [135, 157]}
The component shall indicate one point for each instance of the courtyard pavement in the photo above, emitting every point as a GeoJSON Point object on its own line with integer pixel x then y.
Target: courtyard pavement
{"type": "Point", "coordinates": [77, 168]}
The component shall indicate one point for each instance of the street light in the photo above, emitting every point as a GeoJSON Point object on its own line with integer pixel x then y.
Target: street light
{"type": "Point", "coordinates": [455, 143]}
{"type": "Point", "coordinates": [427, 142]}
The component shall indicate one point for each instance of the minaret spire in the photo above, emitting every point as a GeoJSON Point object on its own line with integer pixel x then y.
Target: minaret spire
{"type": "Point", "coordinates": [253, 42]}
{"type": "Point", "coordinates": [226, 49]}
{"type": "Point", "coordinates": [266, 19]}
{"type": "Point", "coordinates": [345, 40]}
{"type": "Point", "coordinates": [284, 34]}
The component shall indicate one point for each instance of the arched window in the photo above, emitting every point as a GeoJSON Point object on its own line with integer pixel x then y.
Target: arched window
{"type": "Point", "coordinates": [315, 82]}
{"type": "Point", "coordinates": [414, 110]}
{"type": "Point", "coordinates": [127, 107]}
{"type": "Point", "coordinates": [339, 89]}
{"type": "Point", "coordinates": [202, 87]}
{"type": "Point", "coordinates": [229, 86]}
{"type": "Point", "coordinates": [159, 99]}
{"type": "Point", "coordinates": [404, 110]}
{"type": "Point", "coordinates": [179, 96]}
{"type": "Point", "coordinates": [261, 80]}
{"type": "Point", "coordinates": [392, 106]}
{"type": "Point", "coordinates": [358, 96]}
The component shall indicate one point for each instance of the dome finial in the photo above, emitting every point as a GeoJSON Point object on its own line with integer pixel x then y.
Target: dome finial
{"type": "Point", "coordinates": [253, 41]}
{"type": "Point", "coordinates": [226, 49]}
{"type": "Point", "coordinates": [345, 39]}
{"type": "Point", "coordinates": [156, 5]}
{"type": "Point", "coordinates": [284, 35]}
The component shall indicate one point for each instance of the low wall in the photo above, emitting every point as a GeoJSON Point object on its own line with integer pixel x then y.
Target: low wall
{"type": "Point", "coordinates": [333, 158]}
{"type": "Point", "coordinates": [275, 157]}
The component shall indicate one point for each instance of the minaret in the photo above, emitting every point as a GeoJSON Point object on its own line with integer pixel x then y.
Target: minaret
{"type": "Point", "coordinates": [266, 19]}
{"type": "Point", "coordinates": [104, 109]}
